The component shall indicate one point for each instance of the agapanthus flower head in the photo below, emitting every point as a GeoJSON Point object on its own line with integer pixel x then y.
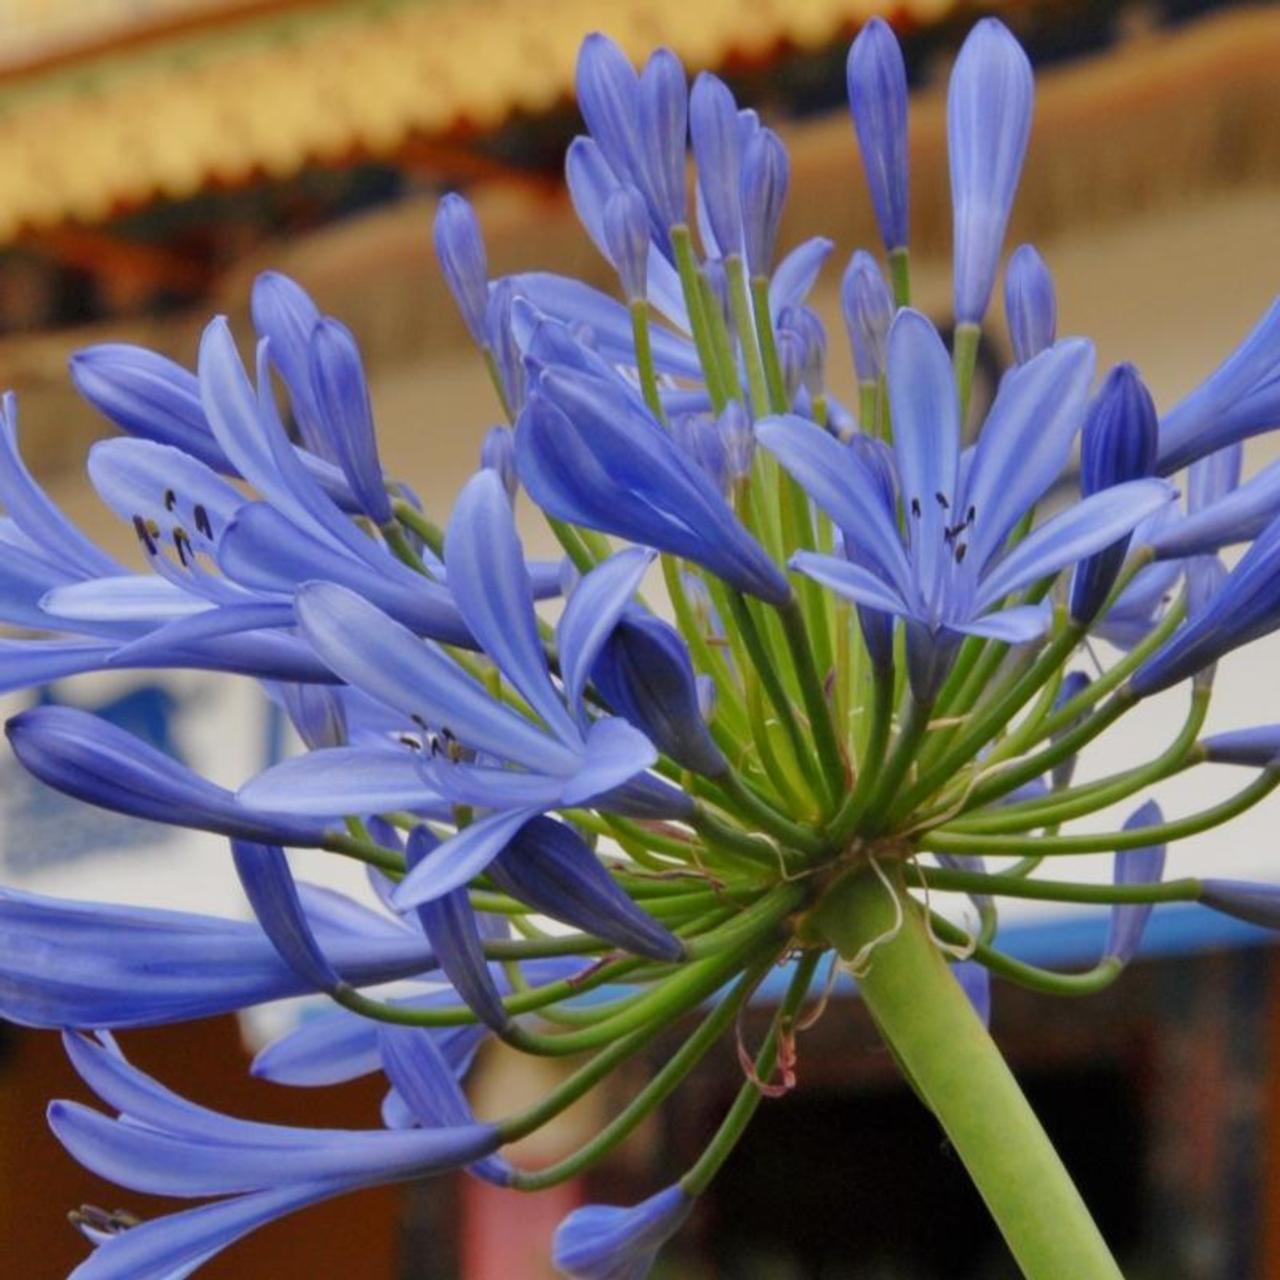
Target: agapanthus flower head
{"type": "Point", "coordinates": [772, 707]}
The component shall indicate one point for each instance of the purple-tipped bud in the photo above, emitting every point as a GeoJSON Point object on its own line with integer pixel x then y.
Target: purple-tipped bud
{"type": "Point", "coordinates": [737, 439]}
{"type": "Point", "coordinates": [605, 1242]}
{"type": "Point", "coordinates": [988, 123]}
{"type": "Point", "coordinates": [450, 926]}
{"type": "Point", "coordinates": [645, 674]}
{"type": "Point", "coordinates": [1255, 903]}
{"type": "Point", "coordinates": [1134, 867]}
{"type": "Point", "coordinates": [877, 82]}
{"type": "Point", "coordinates": [498, 453]}
{"type": "Point", "coordinates": [608, 97]}
{"type": "Point", "coordinates": [664, 125]}
{"type": "Point", "coordinates": [1073, 684]}
{"type": "Point", "coordinates": [626, 233]}
{"type": "Point", "coordinates": [1030, 304]}
{"type": "Point", "coordinates": [460, 251]}
{"type": "Point", "coordinates": [550, 867]}
{"type": "Point", "coordinates": [1118, 444]}
{"type": "Point", "coordinates": [868, 312]}
{"type": "Point", "coordinates": [317, 712]}
{"type": "Point", "coordinates": [1258, 747]}
{"type": "Point", "coordinates": [717, 148]}
{"type": "Point", "coordinates": [766, 174]}
{"type": "Point", "coordinates": [341, 398]}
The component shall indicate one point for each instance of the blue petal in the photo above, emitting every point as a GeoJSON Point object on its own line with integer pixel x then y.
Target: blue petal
{"type": "Point", "coordinates": [268, 883]}
{"type": "Point", "coordinates": [226, 620]}
{"type": "Point", "coordinates": [1239, 399]}
{"type": "Point", "coordinates": [1018, 625]}
{"type": "Point", "coordinates": [851, 581]}
{"type": "Point", "coordinates": [1239, 516]}
{"type": "Point", "coordinates": [1025, 442]}
{"type": "Point", "coordinates": [1030, 304]}
{"type": "Point", "coordinates": [1259, 746]}
{"type": "Point", "coordinates": [490, 584]}
{"type": "Point", "coordinates": [450, 926]}
{"type": "Point", "coordinates": [1090, 525]}
{"type": "Point", "coordinates": [592, 613]}
{"type": "Point", "coordinates": [285, 315]}
{"type": "Point", "coordinates": [126, 597]}
{"type": "Point", "coordinates": [926, 442]}
{"type": "Point", "coordinates": [840, 483]}
{"type": "Point", "coordinates": [717, 149]}
{"type": "Point", "coordinates": [337, 781]}
{"type": "Point", "coordinates": [461, 857]}
{"type": "Point", "coordinates": [615, 753]}
{"type": "Point", "coordinates": [797, 273]}
{"type": "Point", "coordinates": [416, 678]}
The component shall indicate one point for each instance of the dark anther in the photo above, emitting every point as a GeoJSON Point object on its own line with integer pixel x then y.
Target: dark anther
{"type": "Point", "coordinates": [970, 515]}
{"type": "Point", "coordinates": [941, 499]}
{"type": "Point", "coordinates": [407, 740]}
{"type": "Point", "coordinates": [915, 507]}
{"type": "Point", "coordinates": [144, 535]}
{"type": "Point", "coordinates": [419, 721]}
{"type": "Point", "coordinates": [182, 545]}
{"type": "Point", "coordinates": [202, 521]}
{"type": "Point", "coordinates": [961, 548]}
{"type": "Point", "coordinates": [170, 499]}
{"type": "Point", "coordinates": [95, 1219]}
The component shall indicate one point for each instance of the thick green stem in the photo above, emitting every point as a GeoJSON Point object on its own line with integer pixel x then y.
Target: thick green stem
{"type": "Point", "coordinates": [955, 1066]}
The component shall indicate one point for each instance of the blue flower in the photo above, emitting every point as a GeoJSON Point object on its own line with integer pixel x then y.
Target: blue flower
{"type": "Point", "coordinates": [1246, 607]}
{"type": "Point", "coordinates": [877, 84]}
{"type": "Point", "coordinates": [460, 251]}
{"type": "Point", "coordinates": [1259, 746]}
{"type": "Point", "coordinates": [717, 149]}
{"type": "Point", "coordinates": [626, 231]}
{"type": "Point", "coordinates": [988, 124]}
{"type": "Point", "coordinates": [164, 1145]}
{"type": "Point", "coordinates": [589, 453]}
{"type": "Point", "coordinates": [605, 1242]}
{"type": "Point", "coordinates": [952, 576]}
{"type": "Point", "coordinates": [1030, 304]}
{"type": "Point", "coordinates": [90, 964]}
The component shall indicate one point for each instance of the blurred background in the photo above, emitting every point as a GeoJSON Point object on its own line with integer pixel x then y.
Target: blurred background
{"type": "Point", "coordinates": [156, 154]}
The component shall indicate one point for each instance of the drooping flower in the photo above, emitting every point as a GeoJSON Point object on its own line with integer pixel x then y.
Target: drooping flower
{"type": "Point", "coordinates": [605, 1242]}
{"type": "Point", "coordinates": [1134, 867]}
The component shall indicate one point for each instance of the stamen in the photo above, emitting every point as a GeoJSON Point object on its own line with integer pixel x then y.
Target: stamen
{"type": "Point", "coordinates": [182, 545]}
{"type": "Point", "coordinates": [170, 499]}
{"type": "Point", "coordinates": [203, 524]}
{"type": "Point", "coordinates": [144, 535]}
{"type": "Point", "coordinates": [941, 499]}
{"type": "Point", "coordinates": [915, 508]}
{"type": "Point", "coordinates": [408, 740]}
{"type": "Point", "coordinates": [961, 549]}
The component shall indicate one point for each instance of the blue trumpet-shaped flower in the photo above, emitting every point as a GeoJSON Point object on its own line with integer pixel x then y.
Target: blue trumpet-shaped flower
{"type": "Point", "coordinates": [589, 452]}
{"type": "Point", "coordinates": [607, 1242]}
{"type": "Point", "coordinates": [953, 576]}
{"type": "Point", "coordinates": [164, 1145]}
{"type": "Point", "coordinates": [877, 82]}
{"type": "Point", "coordinates": [988, 124]}
{"type": "Point", "coordinates": [1246, 606]}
